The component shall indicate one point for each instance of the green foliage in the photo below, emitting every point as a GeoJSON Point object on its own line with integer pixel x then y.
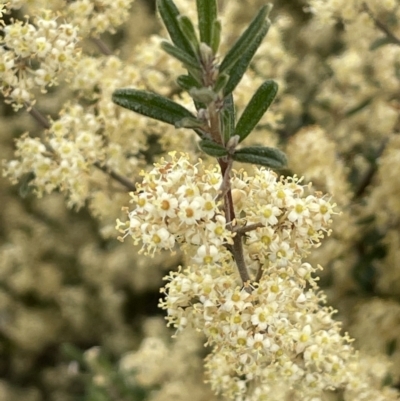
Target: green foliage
{"type": "Point", "coordinates": [256, 108]}
{"type": "Point", "coordinates": [228, 118]}
{"type": "Point", "coordinates": [267, 157]}
{"type": "Point", "coordinates": [188, 30]}
{"type": "Point", "coordinates": [151, 105]}
{"type": "Point", "coordinates": [211, 85]}
{"type": "Point", "coordinates": [207, 15]}
{"type": "Point", "coordinates": [187, 60]}
{"type": "Point", "coordinates": [248, 37]}
{"type": "Point", "coordinates": [237, 71]}
{"type": "Point", "coordinates": [170, 14]}
{"type": "Point", "coordinates": [212, 148]}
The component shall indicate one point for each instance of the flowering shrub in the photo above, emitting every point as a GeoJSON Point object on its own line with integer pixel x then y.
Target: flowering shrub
{"type": "Point", "coordinates": [190, 166]}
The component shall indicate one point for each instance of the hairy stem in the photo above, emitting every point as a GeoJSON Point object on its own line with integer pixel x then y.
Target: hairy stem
{"type": "Point", "coordinates": [237, 249]}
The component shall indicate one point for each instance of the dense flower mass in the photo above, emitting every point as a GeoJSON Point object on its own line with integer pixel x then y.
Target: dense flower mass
{"type": "Point", "coordinates": [178, 202]}
{"type": "Point", "coordinates": [270, 328]}
{"type": "Point", "coordinates": [33, 56]}
{"type": "Point", "coordinates": [269, 333]}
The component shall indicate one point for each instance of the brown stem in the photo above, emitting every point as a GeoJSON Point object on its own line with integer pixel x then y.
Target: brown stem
{"type": "Point", "coordinates": [259, 274]}
{"type": "Point", "coordinates": [215, 129]}
{"type": "Point", "coordinates": [237, 248]}
{"type": "Point", "coordinates": [239, 258]}
{"type": "Point", "coordinates": [102, 46]}
{"type": "Point", "coordinates": [38, 116]}
{"type": "Point", "coordinates": [246, 229]}
{"type": "Point", "coordinates": [117, 177]}
{"type": "Point", "coordinates": [214, 119]}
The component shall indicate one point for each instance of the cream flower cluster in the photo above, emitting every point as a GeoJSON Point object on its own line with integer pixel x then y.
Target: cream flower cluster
{"type": "Point", "coordinates": [33, 55]}
{"type": "Point", "coordinates": [98, 16]}
{"type": "Point", "coordinates": [65, 161]}
{"type": "Point", "coordinates": [177, 203]}
{"type": "Point", "coordinates": [327, 10]}
{"type": "Point", "coordinates": [272, 328]}
{"type": "Point", "coordinates": [91, 17]}
{"type": "Point", "coordinates": [276, 331]}
{"type": "Point", "coordinates": [83, 135]}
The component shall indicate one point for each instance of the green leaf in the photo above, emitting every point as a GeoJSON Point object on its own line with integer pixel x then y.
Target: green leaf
{"type": "Point", "coordinates": [228, 118]}
{"type": "Point", "coordinates": [187, 82]}
{"type": "Point", "coordinates": [188, 30]}
{"type": "Point", "coordinates": [248, 37]}
{"type": "Point", "coordinates": [237, 71]}
{"type": "Point", "coordinates": [216, 36]}
{"type": "Point", "coordinates": [212, 148]}
{"type": "Point", "coordinates": [256, 108]}
{"type": "Point", "coordinates": [179, 54]}
{"type": "Point", "coordinates": [151, 105]}
{"type": "Point", "coordinates": [207, 14]}
{"type": "Point", "coordinates": [268, 157]}
{"type": "Point", "coordinates": [169, 14]}
{"type": "Point", "coordinates": [221, 82]}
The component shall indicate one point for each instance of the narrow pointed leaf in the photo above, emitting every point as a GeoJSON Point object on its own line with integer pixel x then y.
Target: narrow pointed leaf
{"type": "Point", "coordinates": [187, 82]}
{"type": "Point", "coordinates": [207, 14]}
{"type": "Point", "coordinates": [188, 30]}
{"type": "Point", "coordinates": [256, 108]}
{"type": "Point", "coordinates": [264, 156]}
{"type": "Point", "coordinates": [180, 55]}
{"type": "Point", "coordinates": [151, 105]}
{"type": "Point", "coordinates": [245, 40]}
{"type": "Point", "coordinates": [237, 71]}
{"type": "Point", "coordinates": [212, 148]}
{"type": "Point", "coordinates": [216, 36]}
{"type": "Point", "coordinates": [228, 118]}
{"type": "Point", "coordinates": [169, 14]}
{"type": "Point", "coordinates": [221, 82]}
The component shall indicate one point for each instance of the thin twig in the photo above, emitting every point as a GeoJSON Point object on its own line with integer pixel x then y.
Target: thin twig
{"type": "Point", "coordinates": [239, 258]}
{"type": "Point", "coordinates": [369, 175]}
{"type": "Point", "coordinates": [381, 26]}
{"type": "Point", "coordinates": [237, 248]}
{"type": "Point", "coordinates": [246, 229]}
{"type": "Point", "coordinates": [117, 177]}
{"type": "Point", "coordinates": [44, 122]}
{"type": "Point", "coordinates": [39, 117]}
{"type": "Point", "coordinates": [102, 46]}
{"type": "Point", "coordinates": [259, 274]}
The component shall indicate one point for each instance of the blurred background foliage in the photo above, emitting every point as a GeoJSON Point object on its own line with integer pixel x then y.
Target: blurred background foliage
{"type": "Point", "coordinates": [78, 309]}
